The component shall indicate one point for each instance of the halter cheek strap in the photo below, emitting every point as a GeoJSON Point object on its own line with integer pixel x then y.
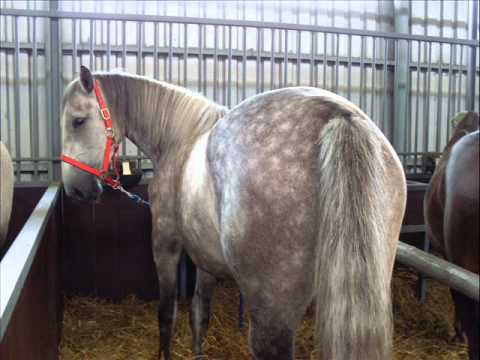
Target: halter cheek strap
{"type": "Point", "coordinates": [111, 148]}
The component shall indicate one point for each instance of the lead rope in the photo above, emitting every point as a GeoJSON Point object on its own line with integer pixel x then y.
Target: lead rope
{"type": "Point", "coordinates": [134, 197]}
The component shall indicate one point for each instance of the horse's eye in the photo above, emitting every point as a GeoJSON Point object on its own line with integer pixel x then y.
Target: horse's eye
{"type": "Point", "coordinates": [77, 122]}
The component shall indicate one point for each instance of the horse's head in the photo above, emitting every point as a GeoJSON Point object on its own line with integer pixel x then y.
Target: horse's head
{"type": "Point", "coordinates": [84, 137]}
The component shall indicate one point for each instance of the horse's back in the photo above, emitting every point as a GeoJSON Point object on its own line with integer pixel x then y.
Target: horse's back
{"type": "Point", "coordinates": [462, 203]}
{"type": "Point", "coordinates": [6, 191]}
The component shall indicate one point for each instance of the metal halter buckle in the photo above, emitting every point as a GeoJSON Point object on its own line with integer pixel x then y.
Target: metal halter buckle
{"type": "Point", "coordinates": [109, 132]}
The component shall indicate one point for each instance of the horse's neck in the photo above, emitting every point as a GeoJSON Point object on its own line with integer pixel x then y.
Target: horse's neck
{"type": "Point", "coordinates": [159, 118]}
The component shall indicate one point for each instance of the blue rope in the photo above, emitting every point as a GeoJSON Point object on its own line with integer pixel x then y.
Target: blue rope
{"type": "Point", "coordinates": [134, 197]}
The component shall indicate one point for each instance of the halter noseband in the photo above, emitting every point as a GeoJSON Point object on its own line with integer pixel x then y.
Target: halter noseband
{"type": "Point", "coordinates": [102, 173]}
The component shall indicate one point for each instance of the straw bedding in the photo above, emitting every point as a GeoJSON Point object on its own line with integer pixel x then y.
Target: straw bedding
{"type": "Point", "coordinates": [99, 330]}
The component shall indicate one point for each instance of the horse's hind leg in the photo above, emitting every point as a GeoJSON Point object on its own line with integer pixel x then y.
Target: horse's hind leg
{"type": "Point", "coordinates": [270, 338]}
{"type": "Point", "coordinates": [200, 315]}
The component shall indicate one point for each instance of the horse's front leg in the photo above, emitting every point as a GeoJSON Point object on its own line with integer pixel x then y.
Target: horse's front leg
{"type": "Point", "coordinates": [200, 315]}
{"type": "Point", "coordinates": [166, 253]}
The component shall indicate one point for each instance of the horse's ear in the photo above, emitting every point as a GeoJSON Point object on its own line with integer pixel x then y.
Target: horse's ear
{"type": "Point", "coordinates": [86, 79]}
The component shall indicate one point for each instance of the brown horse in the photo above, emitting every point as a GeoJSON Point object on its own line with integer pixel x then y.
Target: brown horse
{"type": "Point", "coordinates": [452, 213]}
{"type": "Point", "coordinates": [6, 192]}
{"type": "Point", "coordinates": [294, 193]}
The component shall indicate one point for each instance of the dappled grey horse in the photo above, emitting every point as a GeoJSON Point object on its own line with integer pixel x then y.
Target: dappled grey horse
{"type": "Point", "coordinates": [6, 192]}
{"type": "Point", "coordinates": [294, 193]}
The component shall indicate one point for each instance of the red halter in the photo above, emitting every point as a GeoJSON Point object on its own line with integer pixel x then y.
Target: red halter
{"type": "Point", "coordinates": [102, 173]}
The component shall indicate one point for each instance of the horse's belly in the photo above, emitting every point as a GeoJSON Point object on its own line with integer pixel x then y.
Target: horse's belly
{"type": "Point", "coordinates": [199, 214]}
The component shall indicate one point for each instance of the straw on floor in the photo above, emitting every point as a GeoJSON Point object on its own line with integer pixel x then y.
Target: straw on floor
{"type": "Point", "coordinates": [98, 330]}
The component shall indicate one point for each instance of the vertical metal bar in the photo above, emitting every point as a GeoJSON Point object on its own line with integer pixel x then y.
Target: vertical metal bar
{"type": "Point", "coordinates": [109, 45]}
{"type": "Point", "coordinates": [74, 47]}
{"type": "Point", "coordinates": [170, 52]}
{"type": "Point", "coordinates": [244, 59]}
{"type": "Point", "coordinates": [155, 50]}
{"type": "Point", "coordinates": [385, 76]}
{"type": "Point", "coordinates": [439, 97]}
{"type": "Point", "coordinates": [449, 97]}
{"type": "Point", "coordinates": [459, 106]}
{"type": "Point", "coordinates": [185, 54]}
{"type": "Point", "coordinates": [35, 117]}
{"type": "Point", "coordinates": [215, 61]}
{"type": "Point", "coordinates": [337, 62]}
{"type": "Point", "coordinates": [362, 73]}
{"type": "Point", "coordinates": [312, 58]}
{"type": "Point", "coordinates": [262, 48]}
{"type": "Point", "coordinates": [272, 60]}
{"type": "Point", "coordinates": [472, 60]}
{"type": "Point", "coordinates": [124, 45]}
{"type": "Point", "coordinates": [299, 62]}
{"type": "Point", "coordinates": [417, 106]}
{"type": "Point", "coordinates": [427, 106]}
{"type": "Point", "coordinates": [55, 89]}
{"type": "Point", "coordinates": [374, 69]}
{"type": "Point", "coordinates": [349, 70]}
{"type": "Point", "coordinates": [139, 48]}
{"type": "Point", "coordinates": [91, 59]}
{"type": "Point", "coordinates": [285, 61]}
{"type": "Point", "coordinates": [229, 72]}
{"type": "Point", "coordinates": [200, 56]}
{"type": "Point", "coordinates": [325, 60]}
{"type": "Point", "coordinates": [395, 128]}
{"type": "Point", "coordinates": [16, 98]}
{"type": "Point", "coordinates": [408, 122]}
{"type": "Point", "coordinates": [257, 78]}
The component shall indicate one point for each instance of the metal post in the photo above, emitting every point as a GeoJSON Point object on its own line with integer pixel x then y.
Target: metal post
{"type": "Point", "coordinates": [472, 60]}
{"type": "Point", "coordinates": [55, 94]}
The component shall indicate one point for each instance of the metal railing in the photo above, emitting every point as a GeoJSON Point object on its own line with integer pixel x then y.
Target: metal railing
{"type": "Point", "coordinates": [410, 85]}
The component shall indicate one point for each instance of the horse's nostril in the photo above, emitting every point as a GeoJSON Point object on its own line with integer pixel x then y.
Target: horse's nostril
{"type": "Point", "coordinates": [78, 194]}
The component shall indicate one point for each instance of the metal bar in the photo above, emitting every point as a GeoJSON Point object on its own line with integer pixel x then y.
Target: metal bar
{"type": "Point", "coordinates": [229, 72]}
{"type": "Point", "coordinates": [215, 61]}
{"type": "Point", "coordinates": [109, 46]}
{"type": "Point", "coordinates": [90, 42]}
{"type": "Point", "coordinates": [362, 74]}
{"type": "Point", "coordinates": [200, 56]}
{"type": "Point", "coordinates": [459, 106]}
{"type": "Point", "coordinates": [170, 55]}
{"type": "Point", "coordinates": [408, 113]}
{"type": "Point", "coordinates": [244, 62]}
{"type": "Point", "coordinates": [35, 118]}
{"type": "Point", "coordinates": [472, 61]}
{"type": "Point", "coordinates": [185, 55]}
{"type": "Point", "coordinates": [325, 60]}
{"type": "Point", "coordinates": [139, 44]}
{"type": "Point", "coordinates": [427, 107]}
{"type": "Point", "coordinates": [155, 50]}
{"type": "Point", "coordinates": [240, 23]}
{"type": "Point", "coordinates": [272, 61]}
{"type": "Point", "coordinates": [385, 75]}
{"type": "Point", "coordinates": [285, 61]}
{"type": "Point", "coordinates": [374, 69]}
{"type": "Point", "coordinates": [337, 51]}
{"type": "Point", "coordinates": [439, 100]}
{"type": "Point", "coordinates": [258, 62]}
{"type": "Point", "coordinates": [16, 98]}
{"type": "Point", "coordinates": [17, 262]}
{"type": "Point", "coordinates": [312, 58]}
{"type": "Point", "coordinates": [449, 274]}
{"type": "Point", "coordinates": [74, 44]}
{"type": "Point", "coordinates": [299, 49]}
{"type": "Point", "coordinates": [417, 105]}
{"type": "Point", "coordinates": [349, 66]}
{"type": "Point", "coordinates": [449, 98]}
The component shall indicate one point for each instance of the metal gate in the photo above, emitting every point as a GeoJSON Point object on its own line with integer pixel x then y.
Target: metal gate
{"type": "Point", "coordinates": [410, 85]}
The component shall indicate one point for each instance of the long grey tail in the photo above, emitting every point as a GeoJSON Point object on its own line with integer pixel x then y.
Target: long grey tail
{"type": "Point", "coordinates": [353, 271]}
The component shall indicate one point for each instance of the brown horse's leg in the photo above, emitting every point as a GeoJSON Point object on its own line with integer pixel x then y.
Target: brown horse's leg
{"type": "Point", "coordinates": [200, 315]}
{"type": "Point", "coordinates": [166, 252]}
{"type": "Point", "coordinates": [467, 321]}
